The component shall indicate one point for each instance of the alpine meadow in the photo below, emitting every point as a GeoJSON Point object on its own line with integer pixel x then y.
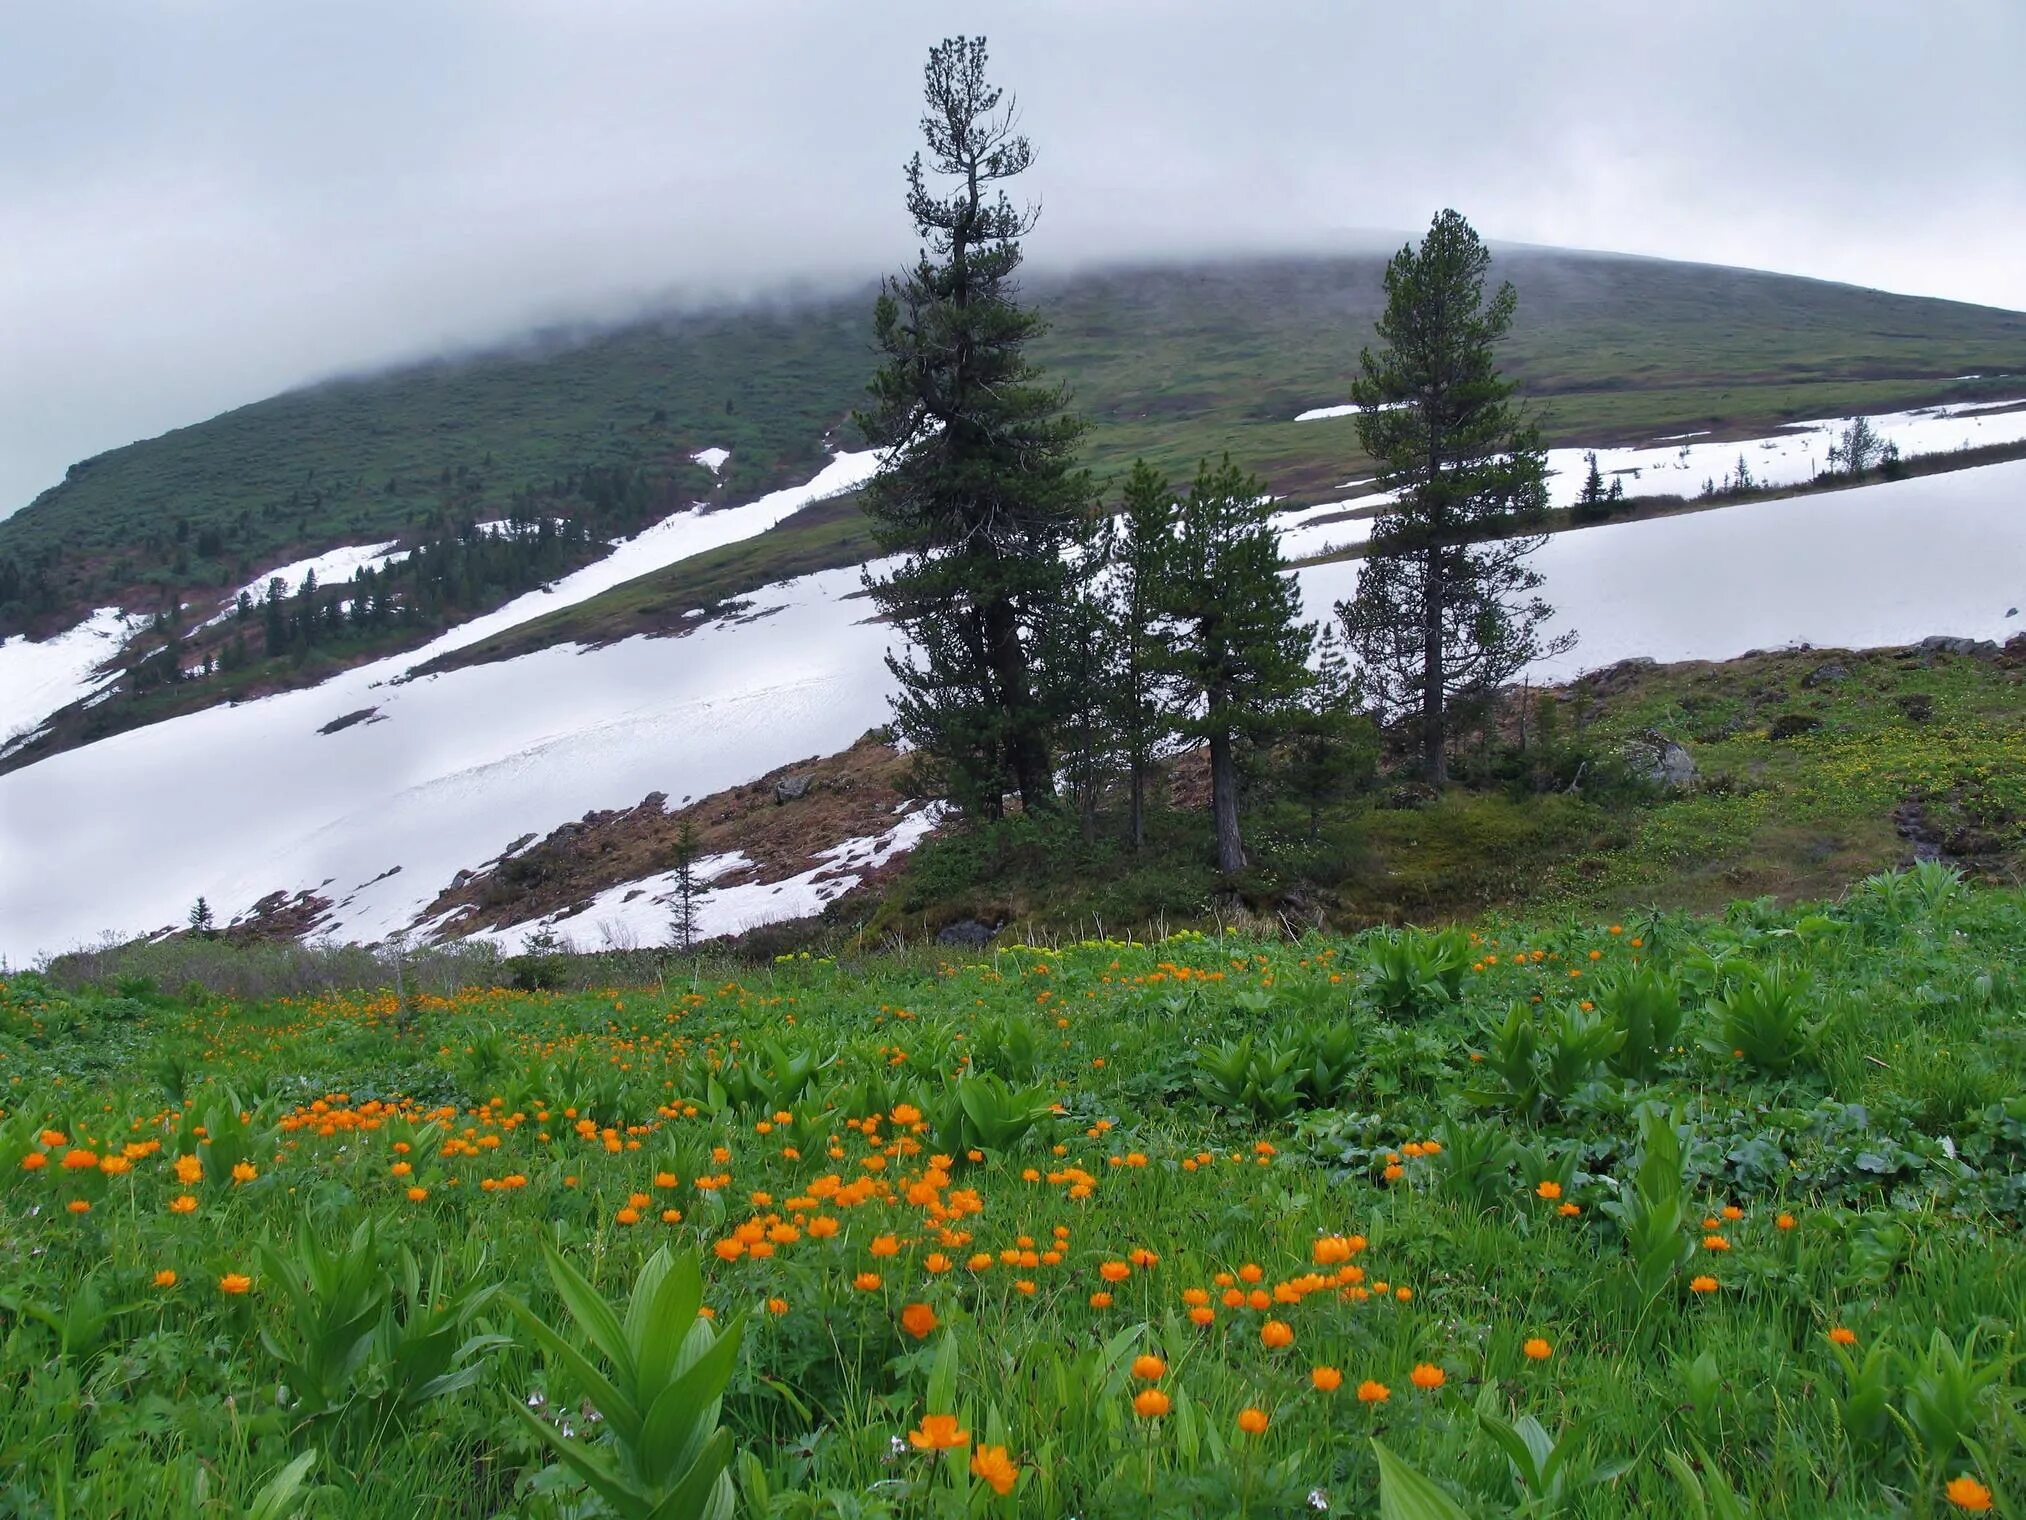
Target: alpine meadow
{"type": "Point", "coordinates": [1146, 869]}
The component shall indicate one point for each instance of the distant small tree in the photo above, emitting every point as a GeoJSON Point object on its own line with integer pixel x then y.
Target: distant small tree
{"type": "Point", "coordinates": [1857, 448]}
{"type": "Point", "coordinates": [682, 928]}
{"type": "Point", "coordinates": [1237, 655]}
{"type": "Point", "coordinates": [1591, 501]}
{"type": "Point", "coordinates": [1082, 646]}
{"type": "Point", "coordinates": [202, 924]}
{"type": "Point", "coordinates": [1332, 747]}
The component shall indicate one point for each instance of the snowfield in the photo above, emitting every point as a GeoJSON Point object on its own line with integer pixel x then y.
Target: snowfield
{"type": "Point", "coordinates": [238, 802]}
{"type": "Point", "coordinates": [40, 677]}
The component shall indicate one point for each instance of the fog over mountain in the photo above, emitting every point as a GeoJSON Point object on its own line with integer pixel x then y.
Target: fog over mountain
{"type": "Point", "coordinates": [204, 201]}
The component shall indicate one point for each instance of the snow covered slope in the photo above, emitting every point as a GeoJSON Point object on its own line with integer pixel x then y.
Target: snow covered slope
{"type": "Point", "coordinates": [39, 677]}
{"type": "Point", "coordinates": [235, 803]}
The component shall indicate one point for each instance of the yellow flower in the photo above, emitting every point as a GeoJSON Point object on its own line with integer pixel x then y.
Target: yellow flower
{"type": "Point", "coordinates": [939, 1432]}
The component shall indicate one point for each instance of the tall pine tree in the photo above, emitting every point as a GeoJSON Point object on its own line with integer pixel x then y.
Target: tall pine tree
{"type": "Point", "coordinates": [979, 496]}
{"type": "Point", "coordinates": [1237, 653]}
{"type": "Point", "coordinates": [1444, 609]}
{"type": "Point", "coordinates": [1146, 524]}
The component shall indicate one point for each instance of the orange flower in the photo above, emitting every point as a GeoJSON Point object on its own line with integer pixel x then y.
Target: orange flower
{"type": "Point", "coordinates": [1842, 1335]}
{"type": "Point", "coordinates": [189, 1170]}
{"type": "Point", "coordinates": [1785, 1222]}
{"type": "Point", "coordinates": [1275, 1334]}
{"type": "Point", "coordinates": [234, 1283]}
{"type": "Point", "coordinates": [244, 1172]}
{"type": "Point", "coordinates": [777, 1306]}
{"type": "Point", "coordinates": [417, 1194]}
{"type": "Point", "coordinates": [1427, 1375]}
{"type": "Point", "coordinates": [183, 1203]}
{"type": "Point", "coordinates": [1537, 1350]}
{"type": "Point", "coordinates": [885, 1245]}
{"type": "Point", "coordinates": [1569, 1210]}
{"type": "Point", "coordinates": [1370, 1392]}
{"type": "Point", "coordinates": [1253, 1421]}
{"type": "Point", "coordinates": [628, 1216]}
{"type": "Point", "coordinates": [1704, 1284]}
{"type": "Point", "coordinates": [79, 1160]}
{"type": "Point", "coordinates": [34, 1161]}
{"type": "Point", "coordinates": [939, 1432]}
{"type": "Point", "coordinates": [993, 1465]}
{"type": "Point", "coordinates": [165, 1278]}
{"type": "Point", "coordinates": [1149, 1369]}
{"type": "Point", "coordinates": [866, 1282]}
{"type": "Point", "coordinates": [1151, 1403]}
{"type": "Point", "coordinates": [1326, 1379]}
{"type": "Point", "coordinates": [1114, 1271]}
{"type": "Point", "coordinates": [1965, 1492]}
{"type": "Point", "coordinates": [731, 1248]}
{"type": "Point", "coordinates": [1549, 1190]}
{"type": "Point", "coordinates": [1100, 1300]}
{"type": "Point", "coordinates": [919, 1320]}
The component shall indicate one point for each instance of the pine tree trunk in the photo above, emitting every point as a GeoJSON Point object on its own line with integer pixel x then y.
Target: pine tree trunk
{"type": "Point", "coordinates": [1136, 817]}
{"type": "Point", "coordinates": [1026, 755]}
{"type": "Point", "coordinates": [1434, 765]}
{"type": "Point", "coordinates": [1224, 802]}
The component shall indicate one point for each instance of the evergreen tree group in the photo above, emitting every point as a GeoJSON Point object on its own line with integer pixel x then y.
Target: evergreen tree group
{"type": "Point", "coordinates": [1055, 643]}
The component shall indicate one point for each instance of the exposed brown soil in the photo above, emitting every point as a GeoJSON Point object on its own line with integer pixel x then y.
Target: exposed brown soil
{"type": "Point", "coordinates": [852, 795]}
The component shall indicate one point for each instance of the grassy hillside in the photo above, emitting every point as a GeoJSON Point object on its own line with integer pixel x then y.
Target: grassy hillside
{"type": "Point", "coordinates": [1172, 361]}
{"type": "Point", "coordinates": [1662, 1215]}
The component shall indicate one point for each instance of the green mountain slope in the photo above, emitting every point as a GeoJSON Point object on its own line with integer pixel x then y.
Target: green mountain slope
{"type": "Point", "coordinates": [1172, 361]}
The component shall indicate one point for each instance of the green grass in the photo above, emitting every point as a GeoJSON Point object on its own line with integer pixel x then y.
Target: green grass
{"type": "Point", "coordinates": [1419, 1151]}
{"type": "Point", "coordinates": [1173, 362]}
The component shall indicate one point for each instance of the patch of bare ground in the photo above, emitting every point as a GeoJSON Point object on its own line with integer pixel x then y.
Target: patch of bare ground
{"type": "Point", "coordinates": [781, 823]}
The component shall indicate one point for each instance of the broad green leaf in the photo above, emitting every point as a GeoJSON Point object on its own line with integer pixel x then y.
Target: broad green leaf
{"type": "Point", "coordinates": [1405, 1495]}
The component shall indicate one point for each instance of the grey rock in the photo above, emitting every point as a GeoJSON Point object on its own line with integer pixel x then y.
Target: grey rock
{"type": "Point", "coordinates": [1661, 760]}
{"type": "Point", "coordinates": [1826, 675]}
{"type": "Point", "coordinates": [789, 788]}
{"type": "Point", "coordinates": [1943, 643]}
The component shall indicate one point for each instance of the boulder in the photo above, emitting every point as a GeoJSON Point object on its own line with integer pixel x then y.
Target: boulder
{"type": "Point", "coordinates": [1943, 643]}
{"type": "Point", "coordinates": [1826, 675]}
{"type": "Point", "coordinates": [1663, 761]}
{"type": "Point", "coordinates": [790, 788]}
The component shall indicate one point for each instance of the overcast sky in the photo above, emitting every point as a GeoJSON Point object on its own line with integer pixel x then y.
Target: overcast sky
{"type": "Point", "coordinates": [205, 201]}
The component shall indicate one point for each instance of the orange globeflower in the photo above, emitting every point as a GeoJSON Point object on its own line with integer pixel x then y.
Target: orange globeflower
{"type": "Point", "coordinates": [183, 1203]}
{"type": "Point", "coordinates": [78, 1206]}
{"type": "Point", "coordinates": [1537, 1350]}
{"type": "Point", "coordinates": [1326, 1379]}
{"type": "Point", "coordinates": [1704, 1284]}
{"type": "Point", "coordinates": [34, 1161]}
{"type": "Point", "coordinates": [1371, 1392]}
{"type": "Point", "coordinates": [1100, 1300]}
{"type": "Point", "coordinates": [1253, 1421]}
{"type": "Point", "coordinates": [1149, 1368]}
{"type": "Point", "coordinates": [1785, 1222]}
{"type": "Point", "coordinates": [866, 1282]}
{"type": "Point", "coordinates": [244, 1172]}
{"type": "Point", "coordinates": [1151, 1403]}
{"type": "Point", "coordinates": [939, 1432]}
{"type": "Point", "coordinates": [1203, 1314]}
{"type": "Point", "coordinates": [1275, 1334]}
{"type": "Point", "coordinates": [1965, 1492]}
{"type": "Point", "coordinates": [234, 1283]}
{"type": "Point", "coordinates": [1114, 1271]}
{"type": "Point", "coordinates": [777, 1306]}
{"type": "Point", "coordinates": [417, 1194]}
{"type": "Point", "coordinates": [1549, 1190]}
{"type": "Point", "coordinates": [1842, 1335]}
{"type": "Point", "coordinates": [993, 1465]}
{"type": "Point", "coordinates": [1427, 1375]}
{"type": "Point", "coordinates": [165, 1278]}
{"type": "Point", "coordinates": [919, 1320]}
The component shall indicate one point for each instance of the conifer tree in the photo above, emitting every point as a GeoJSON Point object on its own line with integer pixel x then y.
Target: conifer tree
{"type": "Point", "coordinates": [1444, 607]}
{"type": "Point", "coordinates": [1237, 653]}
{"type": "Point", "coordinates": [1146, 526]}
{"type": "Point", "coordinates": [682, 928]}
{"type": "Point", "coordinates": [1331, 747]}
{"type": "Point", "coordinates": [979, 495]}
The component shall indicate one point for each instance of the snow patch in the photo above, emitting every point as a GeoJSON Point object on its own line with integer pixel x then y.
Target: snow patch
{"type": "Point", "coordinates": [39, 677]}
{"type": "Point", "coordinates": [332, 567]}
{"type": "Point", "coordinates": [712, 459]}
{"type": "Point", "coordinates": [1351, 409]}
